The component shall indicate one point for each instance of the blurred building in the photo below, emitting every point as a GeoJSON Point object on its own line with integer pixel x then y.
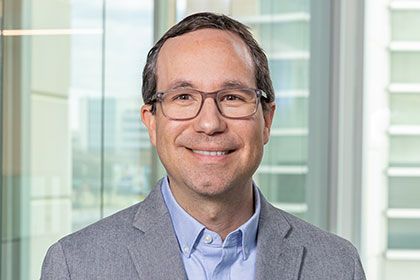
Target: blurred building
{"type": "Point", "coordinates": [344, 151]}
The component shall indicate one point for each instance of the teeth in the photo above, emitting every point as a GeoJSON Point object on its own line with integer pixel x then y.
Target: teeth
{"type": "Point", "coordinates": [206, 153]}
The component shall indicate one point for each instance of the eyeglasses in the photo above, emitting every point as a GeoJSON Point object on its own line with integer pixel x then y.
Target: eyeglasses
{"type": "Point", "coordinates": [232, 103]}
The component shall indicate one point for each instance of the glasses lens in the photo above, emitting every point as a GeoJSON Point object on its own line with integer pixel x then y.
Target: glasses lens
{"type": "Point", "coordinates": [237, 103]}
{"type": "Point", "coordinates": [181, 104]}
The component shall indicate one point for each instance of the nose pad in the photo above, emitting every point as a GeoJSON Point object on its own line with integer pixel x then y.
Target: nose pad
{"type": "Point", "coordinates": [209, 120]}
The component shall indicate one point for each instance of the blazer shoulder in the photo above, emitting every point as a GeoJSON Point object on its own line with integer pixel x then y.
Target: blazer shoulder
{"type": "Point", "coordinates": [314, 239]}
{"type": "Point", "coordinates": [55, 264]}
{"type": "Point", "coordinates": [325, 250]}
{"type": "Point", "coordinates": [111, 247]}
{"type": "Point", "coordinates": [113, 227]}
{"type": "Point", "coordinates": [313, 236]}
{"type": "Point", "coordinates": [288, 244]}
{"type": "Point", "coordinates": [117, 227]}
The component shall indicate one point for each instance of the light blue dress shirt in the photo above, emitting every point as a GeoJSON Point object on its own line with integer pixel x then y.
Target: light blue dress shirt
{"type": "Point", "coordinates": [204, 254]}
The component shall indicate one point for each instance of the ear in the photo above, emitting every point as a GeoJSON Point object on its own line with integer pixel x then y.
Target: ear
{"type": "Point", "coordinates": [149, 120]}
{"type": "Point", "coordinates": [268, 119]}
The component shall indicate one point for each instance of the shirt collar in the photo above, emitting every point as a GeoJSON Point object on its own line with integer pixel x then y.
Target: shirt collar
{"type": "Point", "coordinates": [188, 229]}
{"type": "Point", "coordinates": [249, 229]}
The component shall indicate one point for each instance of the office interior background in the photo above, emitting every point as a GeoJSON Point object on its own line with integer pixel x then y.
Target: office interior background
{"type": "Point", "coordinates": [344, 152]}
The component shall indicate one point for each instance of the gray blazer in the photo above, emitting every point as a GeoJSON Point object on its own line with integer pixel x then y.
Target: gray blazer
{"type": "Point", "coordinates": [139, 243]}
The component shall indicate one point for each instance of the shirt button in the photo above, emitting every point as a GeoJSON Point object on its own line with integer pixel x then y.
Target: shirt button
{"type": "Point", "coordinates": [186, 250]}
{"type": "Point", "coordinates": [246, 251]}
{"type": "Point", "coordinates": [207, 238]}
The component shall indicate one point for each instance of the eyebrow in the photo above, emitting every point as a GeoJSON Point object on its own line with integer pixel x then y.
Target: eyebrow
{"type": "Point", "coordinates": [233, 84]}
{"type": "Point", "coordinates": [181, 84]}
{"type": "Point", "coordinates": [226, 84]}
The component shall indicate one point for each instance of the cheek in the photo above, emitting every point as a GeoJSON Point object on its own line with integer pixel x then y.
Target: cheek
{"type": "Point", "coordinates": [162, 136]}
{"type": "Point", "coordinates": [252, 136]}
{"type": "Point", "coordinates": [164, 145]}
{"type": "Point", "coordinates": [166, 134]}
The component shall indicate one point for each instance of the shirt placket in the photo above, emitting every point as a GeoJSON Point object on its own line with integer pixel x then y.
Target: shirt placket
{"type": "Point", "coordinates": [222, 270]}
{"type": "Point", "coordinates": [230, 251]}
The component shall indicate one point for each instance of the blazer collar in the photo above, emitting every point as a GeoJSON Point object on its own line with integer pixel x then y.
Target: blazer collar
{"type": "Point", "coordinates": [277, 257]}
{"type": "Point", "coordinates": [156, 248]}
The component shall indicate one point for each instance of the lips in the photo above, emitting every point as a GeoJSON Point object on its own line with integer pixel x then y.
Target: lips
{"type": "Point", "coordinates": [210, 153]}
{"type": "Point", "coordinates": [206, 146]}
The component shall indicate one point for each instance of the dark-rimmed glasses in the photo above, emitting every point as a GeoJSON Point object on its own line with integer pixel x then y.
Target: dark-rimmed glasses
{"type": "Point", "coordinates": [186, 103]}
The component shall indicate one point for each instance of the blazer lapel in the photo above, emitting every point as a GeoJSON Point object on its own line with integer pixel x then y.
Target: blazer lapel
{"type": "Point", "coordinates": [276, 257]}
{"type": "Point", "coordinates": [155, 249]}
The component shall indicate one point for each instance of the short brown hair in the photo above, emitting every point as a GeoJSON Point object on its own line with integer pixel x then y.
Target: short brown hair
{"type": "Point", "coordinates": [209, 20]}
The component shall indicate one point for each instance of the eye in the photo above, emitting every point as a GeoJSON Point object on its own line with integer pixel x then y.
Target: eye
{"type": "Point", "coordinates": [231, 97]}
{"type": "Point", "coordinates": [182, 97]}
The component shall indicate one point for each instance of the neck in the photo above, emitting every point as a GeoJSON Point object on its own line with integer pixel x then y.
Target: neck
{"type": "Point", "coordinates": [223, 213]}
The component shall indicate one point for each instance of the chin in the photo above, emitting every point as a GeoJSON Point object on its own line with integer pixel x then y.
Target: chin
{"type": "Point", "coordinates": [212, 188]}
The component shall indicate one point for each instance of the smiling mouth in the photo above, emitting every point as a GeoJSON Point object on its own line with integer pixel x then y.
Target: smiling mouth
{"type": "Point", "coordinates": [211, 153]}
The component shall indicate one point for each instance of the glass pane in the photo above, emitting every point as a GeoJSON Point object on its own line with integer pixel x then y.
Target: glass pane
{"type": "Point", "coordinates": [405, 67]}
{"type": "Point", "coordinates": [404, 151]}
{"type": "Point", "coordinates": [391, 75]}
{"type": "Point", "coordinates": [402, 25]}
{"type": "Point", "coordinates": [285, 6]}
{"type": "Point", "coordinates": [291, 112]}
{"type": "Point", "coordinates": [50, 15]}
{"type": "Point", "coordinates": [54, 130]}
{"type": "Point", "coordinates": [128, 154]}
{"type": "Point", "coordinates": [404, 233]}
{"type": "Point", "coordinates": [289, 74]}
{"type": "Point", "coordinates": [85, 114]}
{"type": "Point", "coordinates": [286, 150]}
{"type": "Point", "coordinates": [283, 188]}
{"type": "Point", "coordinates": [283, 36]}
{"type": "Point", "coordinates": [84, 14]}
{"type": "Point", "coordinates": [267, 7]}
{"type": "Point", "coordinates": [405, 109]}
{"type": "Point", "coordinates": [38, 82]}
{"type": "Point", "coordinates": [404, 192]}
{"type": "Point", "coordinates": [86, 159]}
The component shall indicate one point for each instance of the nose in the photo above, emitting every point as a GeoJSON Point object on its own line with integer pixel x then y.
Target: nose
{"type": "Point", "coordinates": [209, 120]}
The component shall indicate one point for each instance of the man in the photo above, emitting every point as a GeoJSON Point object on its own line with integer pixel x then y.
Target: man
{"type": "Point", "coordinates": [209, 105]}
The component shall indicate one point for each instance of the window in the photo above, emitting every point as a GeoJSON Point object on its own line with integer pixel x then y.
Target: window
{"type": "Point", "coordinates": [344, 150]}
{"type": "Point", "coordinates": [393, 94]}
{"type": "Point", "coordinates": [74, 149]}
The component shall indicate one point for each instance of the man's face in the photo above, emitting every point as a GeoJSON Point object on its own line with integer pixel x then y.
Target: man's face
{"type": "Point", "coordinates": [207, 60]}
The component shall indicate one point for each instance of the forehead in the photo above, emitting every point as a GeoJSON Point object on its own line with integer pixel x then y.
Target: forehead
{"type": "Point", "coordinates": [204, 51]}
{"type": "Point", "coordinates": [207, 37]}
